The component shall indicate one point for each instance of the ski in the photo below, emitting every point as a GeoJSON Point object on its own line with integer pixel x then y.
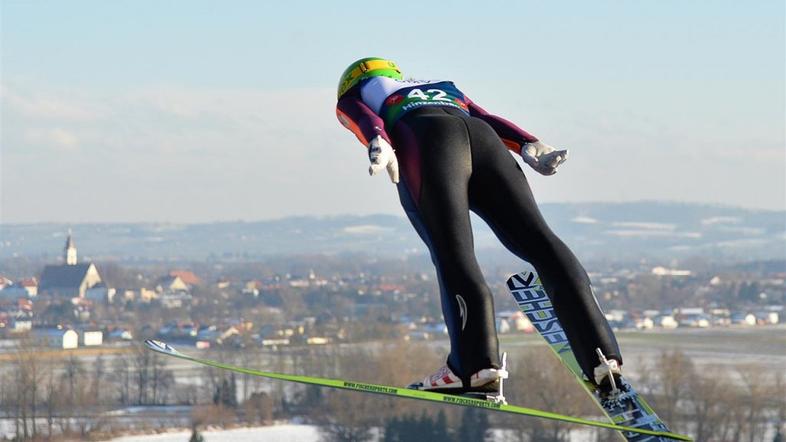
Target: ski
{"type": "Point", "coordinates": [630, 410]}
{"type": "Point", "coordinates": [166, 349]}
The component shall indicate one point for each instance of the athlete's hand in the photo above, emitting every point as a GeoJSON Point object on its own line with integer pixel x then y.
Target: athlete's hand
{"type": "Point", "coordinates": [381, 155]}
{"type": "Point", "coordinates": [542, 157]}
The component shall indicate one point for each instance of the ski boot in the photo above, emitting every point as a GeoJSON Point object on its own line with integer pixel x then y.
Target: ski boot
{"type": "Point", "coordinates": [486, 384]}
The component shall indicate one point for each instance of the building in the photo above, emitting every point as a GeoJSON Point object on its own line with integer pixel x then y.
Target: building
{"type": "Point", "coordinates": [171, 284]}
{"type": "Point", "coordinates": [29, 285]}
{"type": "Point", "coordinates": [71, 279]}
{"type": "Point", "coordinates": [92, 338]}
{"type": "Point", "coordinates": [57, 338]}
{"type": "Point", "coordinates": [187, 276]}
{"type": "Point", "coordinates": [5, 282]}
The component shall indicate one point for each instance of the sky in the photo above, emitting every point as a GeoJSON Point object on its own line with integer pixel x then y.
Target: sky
{"type": "Point", "coordinates": [199, 111]}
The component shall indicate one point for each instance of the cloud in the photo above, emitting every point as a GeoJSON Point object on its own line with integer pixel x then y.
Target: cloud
{"type": "Point", "coordinates": [63, 138]}
{"type": "Point", "coordinates": [160, 152]}
{"type": "Point", "coordinates": [56, 139]}
{"type": "Point", "coordinates": [47, 107]}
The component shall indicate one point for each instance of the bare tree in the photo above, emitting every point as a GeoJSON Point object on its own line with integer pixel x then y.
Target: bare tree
{"type": "Point", "coordinates": [710, 395]}
{"type": "Point", "coordinates": [543, 382]}
{"type": "Point", "coordinates": [755, 395]}
{"type": "Point", "coordinates": [26, 376]}
{"type": "Point", "coordinates": [666, 379]}
{"type": "Point", "coordinates": [120, 378]}
{"type": "Point", "coordinates": [52, 400]}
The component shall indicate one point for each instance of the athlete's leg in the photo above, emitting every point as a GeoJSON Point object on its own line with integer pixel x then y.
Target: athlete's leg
{"type": "Point", "coordinates": [434, 156]}
{"type": "Point", "coordinates": [500, 194]}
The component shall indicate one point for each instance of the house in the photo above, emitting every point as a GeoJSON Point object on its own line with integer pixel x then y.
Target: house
{"type": "Point", "coordinates": [30, 285]}
{"type": "Point", "coordinates": [119, 334]}
{"type": "Point", "coordinates": [101, 293]}
{"type": "Point", "coordinates": [92, 338]}
{"type": "Point", "coordinates": [57, 337]}
{"type": "Point", "coordinates": [71, 279]}
{"type": "Point", "coordinates": [252, 287]}
{"type": "Point", "coordinates": [516, 320]}
{"type": "Point", "coordinates": [175, 299]}
{"type": "Point", "coordinates": [25, 288]}
{"type": "Point", "coordinates": [223, 283]}
{"type": "Point", "coordinates": [188, 277]}
{"type": "Point", "coordinates": [171, 284]}
{"type": "Point", "coordinates": [147, 295]}
{"type": "Point", "coordinates": [663, 271]}
{"type": "Point", "coordinates": [21, 324]}
{"type": "Point", "coordinates": [16, 320]}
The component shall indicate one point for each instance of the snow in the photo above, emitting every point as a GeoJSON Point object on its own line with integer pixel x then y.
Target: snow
{"type": "Point", "coordinates": [645, 225]}
{"type": "Point", "coordinates": [274, 433]}
{"type": "Point", "coordinates": [584, 220]}
{"type": "Point", "coordinates": [720, 220]}
{"type": "Point", "coordinates": [366, 229]}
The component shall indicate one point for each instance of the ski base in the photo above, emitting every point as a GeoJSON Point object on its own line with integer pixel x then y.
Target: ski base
{"type": "Point", "coordinates": [628, 408]}
{"type": "Point", "coordinates": [166, 349]}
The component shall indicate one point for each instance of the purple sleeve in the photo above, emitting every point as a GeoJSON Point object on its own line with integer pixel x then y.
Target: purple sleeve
{"type": "Point", "coordinates": [359, 118]}
{"type": "Point", "coordinates": [512, 135]}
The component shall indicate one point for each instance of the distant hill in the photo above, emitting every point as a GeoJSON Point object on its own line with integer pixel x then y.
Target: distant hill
{"type": "Point", "coordinates": [598, 230]}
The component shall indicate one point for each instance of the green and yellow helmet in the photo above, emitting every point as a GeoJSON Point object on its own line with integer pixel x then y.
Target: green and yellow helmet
{"type": "Point", "coordinates": [365, 68]}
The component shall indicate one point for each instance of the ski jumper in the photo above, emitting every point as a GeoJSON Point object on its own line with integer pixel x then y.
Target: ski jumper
{"type": "Point", "coordinates": [454, 159]}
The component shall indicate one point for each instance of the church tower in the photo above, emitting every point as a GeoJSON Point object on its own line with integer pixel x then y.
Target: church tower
{"type": "Point", "coordinates": [70, 250]}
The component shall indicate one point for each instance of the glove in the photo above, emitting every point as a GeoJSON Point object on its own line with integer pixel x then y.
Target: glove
{"type": "Point", "coordinates": [381, 155]}
{"type": "Point", "coordinates": [542, 157]}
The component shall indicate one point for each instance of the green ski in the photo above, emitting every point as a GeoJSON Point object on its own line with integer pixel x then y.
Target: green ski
{"type": "Point", "coordinates": [164, 348]}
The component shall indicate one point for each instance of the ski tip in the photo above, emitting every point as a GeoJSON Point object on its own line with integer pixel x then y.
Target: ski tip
{"type": "Point", "coordinates": [523, 279]}
{"type": "Point", "coordinates": [160, 346]}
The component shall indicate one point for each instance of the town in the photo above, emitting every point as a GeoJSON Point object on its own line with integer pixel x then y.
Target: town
{"type": "Point", "coordinates": [73, 303]}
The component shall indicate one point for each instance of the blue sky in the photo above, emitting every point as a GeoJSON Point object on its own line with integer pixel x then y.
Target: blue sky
{"type": "Point", "coordinates": [200, 111]}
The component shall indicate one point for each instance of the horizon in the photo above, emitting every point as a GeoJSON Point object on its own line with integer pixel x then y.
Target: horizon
{"type": "Point", "coordinates": [131, 112]}
{"type": "Point", "coordinates": [402, 215]}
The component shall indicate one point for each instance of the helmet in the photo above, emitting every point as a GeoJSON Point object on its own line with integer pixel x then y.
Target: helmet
{"type": "Point", "coordinates": [365, 68]}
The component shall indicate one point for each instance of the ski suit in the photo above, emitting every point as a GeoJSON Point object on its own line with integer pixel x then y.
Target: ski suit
{"type": "Point", "coordinates": [454, 158]}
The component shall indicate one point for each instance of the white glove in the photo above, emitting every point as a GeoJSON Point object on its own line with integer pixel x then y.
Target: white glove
{"type": "Point", "coordinates": [381, 155]}
{"type": "Point", "coordinates": [542, 157]}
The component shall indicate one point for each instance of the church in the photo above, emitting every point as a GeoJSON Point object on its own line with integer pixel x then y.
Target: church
{"type": "Point", "coordinates": [71, 279]}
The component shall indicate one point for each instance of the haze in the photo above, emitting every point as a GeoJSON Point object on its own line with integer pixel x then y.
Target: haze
{"type": "Point", "coordinates": [203, 111]}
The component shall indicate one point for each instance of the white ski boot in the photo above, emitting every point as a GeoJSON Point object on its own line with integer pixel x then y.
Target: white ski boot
{"type": "Point", "coordinates": [486, 384]}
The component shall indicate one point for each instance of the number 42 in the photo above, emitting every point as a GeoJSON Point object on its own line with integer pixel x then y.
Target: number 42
{"type": "Point", "coordinates": [438, 94]}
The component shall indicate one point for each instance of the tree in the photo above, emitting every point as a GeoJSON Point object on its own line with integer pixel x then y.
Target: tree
{"type": "Point", "coordinates": [711, 395]}
{"type": "Point", "coordinates": [667, 379]}
{"type": "Point", "coordinates": [474, 425]}
{"type": "Point", "coordinates": [226, 392]}
{"type": "Point", "coordinates": [121, 379]}
{"type": "Point", "coordinates": [196, 436]}
{"type": "Point", "coordinates": [542, 382]}
{"type": "Point", "coordinates": [409, 428]}
{"type": "Point", "coordinates": [258, 408]}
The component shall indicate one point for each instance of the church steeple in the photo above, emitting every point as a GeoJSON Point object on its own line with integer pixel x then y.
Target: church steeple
{"type": "Point", "coordinates": [70, 250]}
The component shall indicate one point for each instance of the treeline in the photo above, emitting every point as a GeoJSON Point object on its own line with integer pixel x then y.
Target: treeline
{"type": "Point", "coordinates": [49, 397]}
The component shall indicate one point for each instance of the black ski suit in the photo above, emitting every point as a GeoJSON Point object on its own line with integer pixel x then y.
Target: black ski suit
{"type": "Point", "coordinates": [453, 160]}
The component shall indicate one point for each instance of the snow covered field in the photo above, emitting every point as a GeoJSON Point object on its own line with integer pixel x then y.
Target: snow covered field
{"type": "Point", "coordinates": [275, 433]}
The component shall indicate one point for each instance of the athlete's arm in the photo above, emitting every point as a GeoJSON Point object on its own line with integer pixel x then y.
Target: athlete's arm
{"type": "Point", "coordinates": [513, 136]}
{"type": "Point", "coordinates": [359, 118]}
{"type": "Point", "coordinates": [369, 128]}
